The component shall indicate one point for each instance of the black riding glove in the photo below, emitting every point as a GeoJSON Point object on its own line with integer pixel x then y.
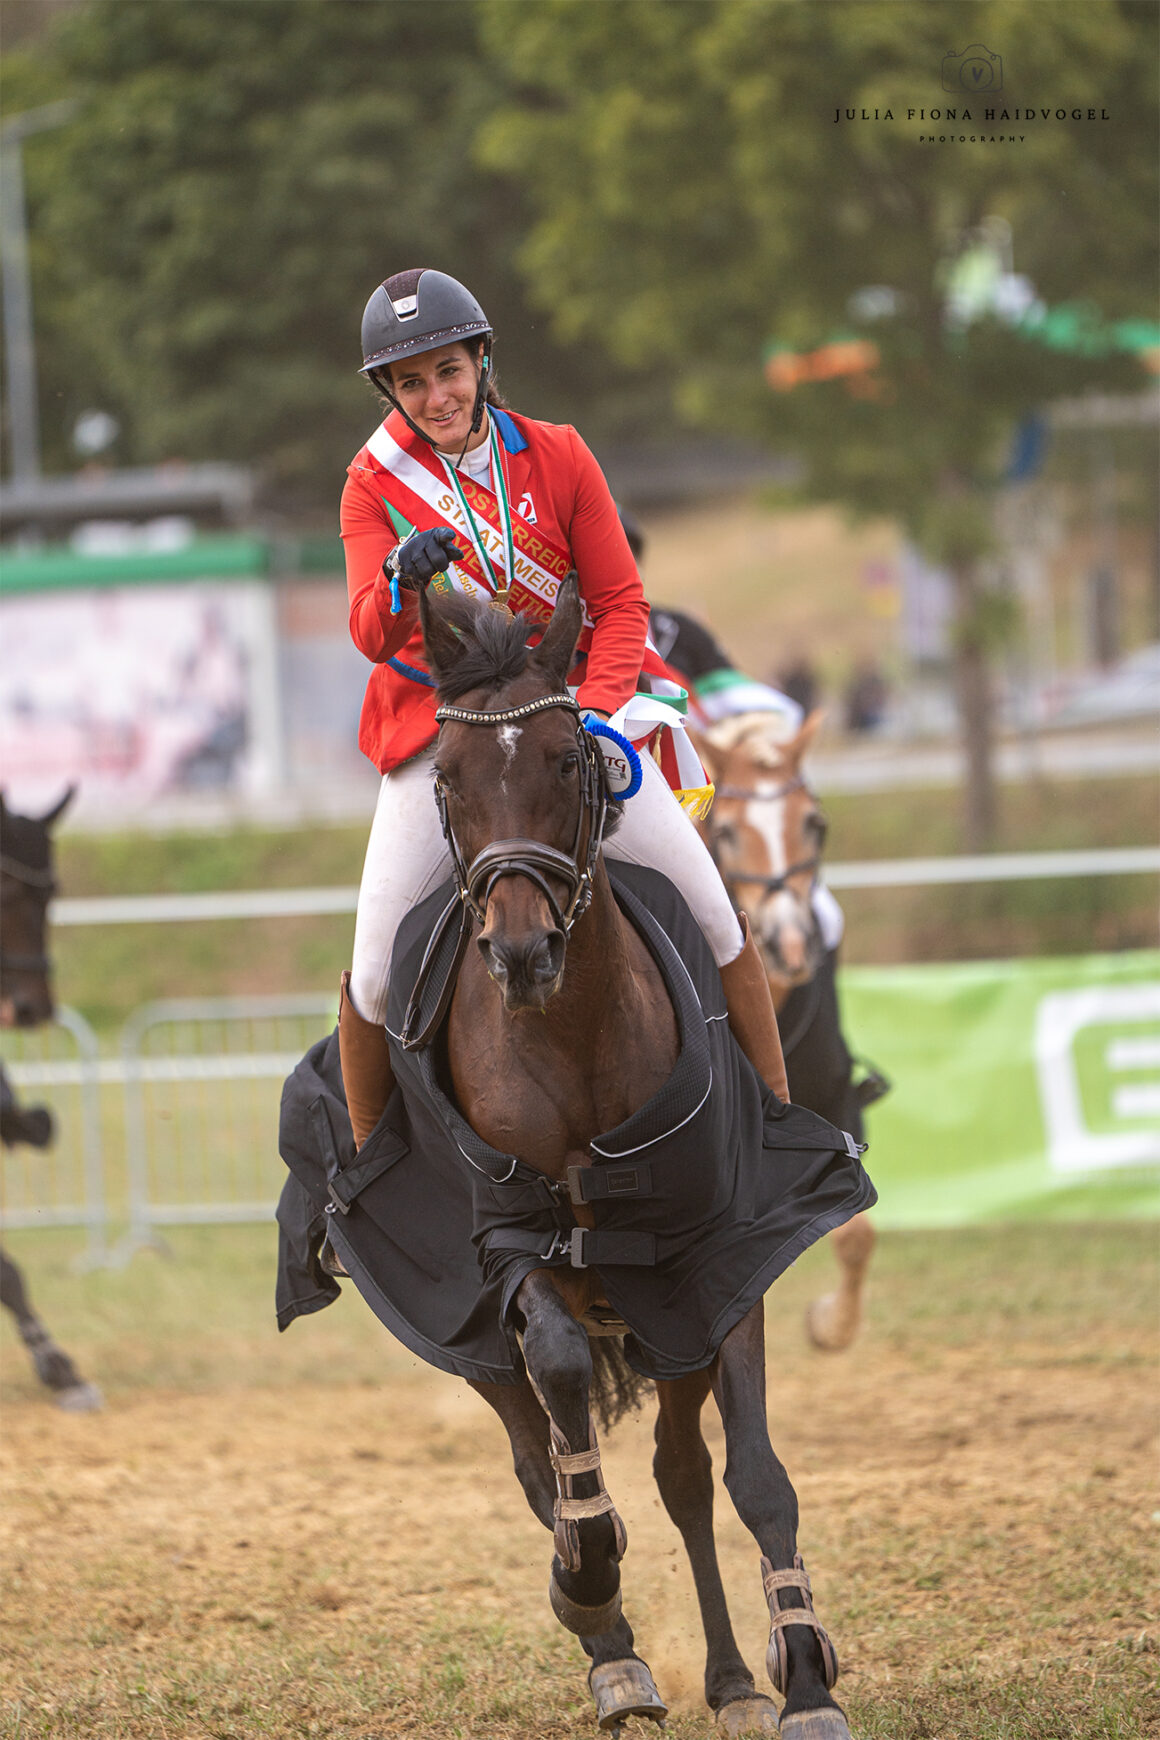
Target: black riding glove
{"type": "Point", "coordinates": [423, 555]}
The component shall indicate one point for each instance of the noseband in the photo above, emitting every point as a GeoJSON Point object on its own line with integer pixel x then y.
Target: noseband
{"type": "Point", "coordinates": [532, 858]}
{"type": "Point", "coordinates": [44, 882]}
{"type": "Point", "coordinates": [771, 884]}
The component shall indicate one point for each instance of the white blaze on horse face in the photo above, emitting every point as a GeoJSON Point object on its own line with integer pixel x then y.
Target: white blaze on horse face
{"type": "Point", "coordinates": [784, 918]}
{"type": "Point", "coordinates": [509, 736]}
{"type": "Point", "coordinates": [766, 816]}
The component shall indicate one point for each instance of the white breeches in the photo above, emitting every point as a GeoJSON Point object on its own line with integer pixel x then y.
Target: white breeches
{"type": "Point", "coordinates": [407, 857]}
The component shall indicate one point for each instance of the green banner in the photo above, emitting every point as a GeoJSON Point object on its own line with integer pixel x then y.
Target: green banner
{"type": "Point", "coordinates": [1022, 1089]}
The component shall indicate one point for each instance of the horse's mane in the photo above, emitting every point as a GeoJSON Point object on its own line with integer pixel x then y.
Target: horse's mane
{"type": "Point", "coordinates": [763, 736]}
{"type": "Point", "coordinates": [495, 648]}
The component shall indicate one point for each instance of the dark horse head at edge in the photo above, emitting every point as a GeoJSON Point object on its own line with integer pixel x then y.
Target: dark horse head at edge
{"type": "Point", "coordinates": [26, 886]}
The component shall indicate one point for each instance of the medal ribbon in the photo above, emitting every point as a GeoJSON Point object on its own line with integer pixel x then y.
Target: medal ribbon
{"type": "Point", "coordinates": [505, 514]}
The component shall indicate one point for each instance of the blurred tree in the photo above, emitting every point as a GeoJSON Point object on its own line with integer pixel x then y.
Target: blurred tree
{"type": "Point", "coordinates": [238, 180]}
{"type": "Point", "coordinates": [699, 192]}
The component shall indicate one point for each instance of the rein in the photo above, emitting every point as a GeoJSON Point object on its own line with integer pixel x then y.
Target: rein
{"type": "Point", "coordinates": [45, 882]}
{"type": "Point", "coordinates": [532, 858]}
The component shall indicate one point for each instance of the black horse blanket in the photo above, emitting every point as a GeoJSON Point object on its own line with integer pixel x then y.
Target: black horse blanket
{"type": "Point", "coordinates": [701, 1199]}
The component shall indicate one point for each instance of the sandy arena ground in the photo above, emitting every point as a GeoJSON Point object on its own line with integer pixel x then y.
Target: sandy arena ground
{"type": "Point", "coordinates": [354, 1560]}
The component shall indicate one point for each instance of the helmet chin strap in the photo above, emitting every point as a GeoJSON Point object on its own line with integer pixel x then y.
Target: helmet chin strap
{"type": "Point", "coordinates": [382, 379]}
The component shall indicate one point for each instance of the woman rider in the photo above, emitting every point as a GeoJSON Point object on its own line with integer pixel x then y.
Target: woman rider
{"type": "Point", "coordinates": [453, 490]}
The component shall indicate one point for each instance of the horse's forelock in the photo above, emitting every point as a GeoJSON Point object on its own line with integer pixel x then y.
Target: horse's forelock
{"type": "Point", "coordinates": [764, 737]}
{"type": "Point", "coordinates": [494, 647]}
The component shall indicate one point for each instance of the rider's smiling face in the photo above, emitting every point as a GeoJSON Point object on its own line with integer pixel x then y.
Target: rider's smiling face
{"type": "Point", "coordinates": [437, 391]}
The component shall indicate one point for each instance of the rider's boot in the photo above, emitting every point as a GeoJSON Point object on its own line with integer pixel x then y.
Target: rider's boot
{"type": "Point", "coordinates": [367, 1075]}
{"type": "Point", "coordinates": [752, 1016]}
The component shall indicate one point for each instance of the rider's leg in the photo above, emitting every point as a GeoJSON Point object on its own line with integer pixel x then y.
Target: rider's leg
{"type": "Point", "coordinates": [406, 858]}
{"type": "Point", "coordinates": [655, 831]}
{"type": "Point", "coordinates": [751, 1013]}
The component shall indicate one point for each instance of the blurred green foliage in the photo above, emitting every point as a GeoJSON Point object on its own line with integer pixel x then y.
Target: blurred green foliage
{"type": "Point", "coordinates": [665, 179]}
{"type": "Point", "coordinates": [677, 184]}
{"type": "Point", "coordinates": [238, 180]}
{"type": "Point", "coordinates": [695, 197]}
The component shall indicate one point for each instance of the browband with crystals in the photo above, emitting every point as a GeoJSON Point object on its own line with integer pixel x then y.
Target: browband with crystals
{"type": "Point", "coordinates": [465, 716]}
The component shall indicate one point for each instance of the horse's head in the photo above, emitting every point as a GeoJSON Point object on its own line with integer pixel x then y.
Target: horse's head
{"type": "Point", "coordinates": [518, 782]}
{"type": "Point", "coordinates": [26, 886]}
{"type": "Point", "coordinates": [766, 833]}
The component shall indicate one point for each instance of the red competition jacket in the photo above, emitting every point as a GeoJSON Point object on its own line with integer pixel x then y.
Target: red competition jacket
{"type": "Point", "coordinates": [562, 517]}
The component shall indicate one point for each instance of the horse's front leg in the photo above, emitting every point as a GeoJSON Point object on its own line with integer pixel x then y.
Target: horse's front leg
{"type": "Point", "coordinates": [618, 1678]}
{"type": "Point", "coordinates": [52, 1364]}
{"type": "Point", "coordinates": [801, 1660]}
{"type": "Point", "coordinates": [589, 1537]}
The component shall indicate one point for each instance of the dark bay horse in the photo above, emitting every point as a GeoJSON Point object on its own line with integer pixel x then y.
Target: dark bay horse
{"type": "Point", "coordinates": [26, 886]}
{"type": "Point", "coordinates": [767, 833]}
{"type": "Point", "coordinates": [561, 1026]}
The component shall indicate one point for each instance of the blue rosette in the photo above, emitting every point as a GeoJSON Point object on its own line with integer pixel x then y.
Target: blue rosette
{"type": "Point", "coordinates": [622, 767]}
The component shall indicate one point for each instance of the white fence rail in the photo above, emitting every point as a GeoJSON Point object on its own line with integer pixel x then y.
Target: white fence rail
{"type": "Point", "coordinates": [875, 873]}
{"type": "Point", "coordinates": [201, 1079]}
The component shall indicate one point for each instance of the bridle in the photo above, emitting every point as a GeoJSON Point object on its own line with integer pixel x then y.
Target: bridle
{"type": "Point", "coordinates": [771, 884]}
{"type": "Point", "coordinates": [532, 858]}
{"type": "Point", "coordinates": [774, 885]}
{"type": "Point", "coordinates": [44, 882]}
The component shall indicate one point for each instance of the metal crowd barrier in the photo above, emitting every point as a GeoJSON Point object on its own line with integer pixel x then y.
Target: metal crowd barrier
{"type": "Point", "coordinates": [58, 1065]}
{"type": "Point", "coordinates": [202, 1084]}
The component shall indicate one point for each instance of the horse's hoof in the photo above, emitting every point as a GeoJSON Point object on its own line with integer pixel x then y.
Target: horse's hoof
{"type": "Point", "coordinates": [79, 1399]}
{"type": "Point", "coordinates": [756, 1715]}
{"type": "Point", "coordinates": [830, 1327]}
{"type": "Point", "coordinates": [815, 1725]}
{"type": "Point", "coordinates": [623, 1689]}
{"type": "Point", "coordinates": [584, 1621]}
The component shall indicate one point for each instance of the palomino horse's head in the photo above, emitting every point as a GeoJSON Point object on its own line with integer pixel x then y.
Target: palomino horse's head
{"type": "Point", "coordinates": [519, 784]}
{"type": "Point", "coordinates": [766, 833]}
{"type": "Point", "coordinates": [26, 886]}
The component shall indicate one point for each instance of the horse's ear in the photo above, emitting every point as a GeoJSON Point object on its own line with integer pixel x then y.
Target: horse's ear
{"type": "Point", "coordinates": [442, 645]}
{"type": "Point", "coordinates": [60, 807]}
{"type": "Point", "coordinates": [805, 737]}
{"type": "Point", "coordinates": [554, 654]}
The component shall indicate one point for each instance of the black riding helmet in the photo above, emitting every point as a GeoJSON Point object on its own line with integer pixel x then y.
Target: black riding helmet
{"type": "Point", "coordinates": [416, 311]}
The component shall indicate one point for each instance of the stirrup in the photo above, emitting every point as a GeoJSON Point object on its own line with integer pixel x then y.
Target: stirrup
{"type": "Point", "coordinates": [777, 1655]}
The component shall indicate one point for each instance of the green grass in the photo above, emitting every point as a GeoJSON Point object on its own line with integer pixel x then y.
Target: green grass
{"type": "Point", "coordinates": [106, 971]}
{"type": "Point", "coordinates": [202, 1316]}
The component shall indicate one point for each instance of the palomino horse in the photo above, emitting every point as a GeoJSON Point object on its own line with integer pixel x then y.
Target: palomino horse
{"type": "Point", "coordinates": [559, 1030]}
{"type": "Point", "coordinates": [767, 832]}
{"type": "Point", "coordinates": [26, 1001]}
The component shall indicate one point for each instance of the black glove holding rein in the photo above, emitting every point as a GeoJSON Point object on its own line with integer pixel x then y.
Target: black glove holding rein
{"type": "Point", "coordinates": [423, 555]}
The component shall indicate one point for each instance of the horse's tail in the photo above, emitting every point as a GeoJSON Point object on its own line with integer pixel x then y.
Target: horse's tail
{"type": "Point", "coordinates": [616, 1390]}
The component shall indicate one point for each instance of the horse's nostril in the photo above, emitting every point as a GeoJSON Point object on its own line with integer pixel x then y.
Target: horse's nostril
{"type": "Point", "coordinates": [493, 957]}
{"type": "Point", "coordinates": [547, 958]}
